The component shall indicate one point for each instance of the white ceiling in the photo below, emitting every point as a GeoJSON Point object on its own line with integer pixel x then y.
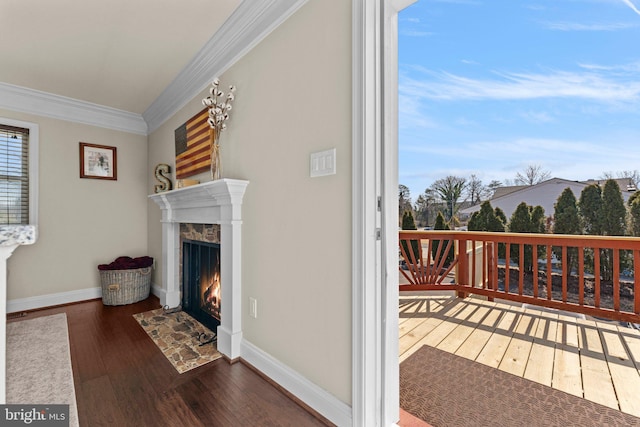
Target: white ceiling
{"type": "Point", "coordinates": [117, 53]}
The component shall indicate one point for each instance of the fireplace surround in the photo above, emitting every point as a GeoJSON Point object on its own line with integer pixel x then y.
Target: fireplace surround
{"type": "Point", "coordinates": [214, 202]}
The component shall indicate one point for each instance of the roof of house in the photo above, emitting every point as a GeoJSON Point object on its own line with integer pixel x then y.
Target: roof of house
{"type": "Point", "coordinates": [544, 194]}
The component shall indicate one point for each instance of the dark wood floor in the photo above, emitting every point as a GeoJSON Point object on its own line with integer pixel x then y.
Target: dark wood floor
{"type": "Point", "coordinates": [122, 378]}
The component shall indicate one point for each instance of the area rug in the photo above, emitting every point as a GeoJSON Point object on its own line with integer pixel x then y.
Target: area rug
{"type": "Point", "coordinates": [39, 363]}
{"type": "Point", "coordinates": [182, 339]}
{"type": "Point", "coordinates": [448, 390]}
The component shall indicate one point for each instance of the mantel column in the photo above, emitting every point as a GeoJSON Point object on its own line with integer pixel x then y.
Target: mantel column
{"type": "Point", "coordinates": [230, 329]}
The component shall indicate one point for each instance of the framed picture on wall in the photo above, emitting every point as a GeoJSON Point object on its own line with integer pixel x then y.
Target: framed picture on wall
{"type": "Point", "coordinates": [98, 161]}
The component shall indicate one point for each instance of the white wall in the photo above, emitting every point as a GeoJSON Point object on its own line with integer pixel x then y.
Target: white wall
{"type": "Point", "coordinates": [293, 98]}
{"type": "Point", "coordinates": [82, 222]}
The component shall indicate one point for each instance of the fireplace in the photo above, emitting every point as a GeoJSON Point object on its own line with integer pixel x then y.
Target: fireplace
{"type": "Point", "coordinates": [201, 284]}
{"type": "Point", "coordinates": [215, 202]}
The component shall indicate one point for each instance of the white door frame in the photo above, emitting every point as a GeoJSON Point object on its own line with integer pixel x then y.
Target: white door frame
{"type": "Point", "coordinates": [375, 364]}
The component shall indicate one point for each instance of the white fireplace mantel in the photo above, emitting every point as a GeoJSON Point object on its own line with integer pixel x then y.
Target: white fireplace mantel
{"type": "Point", "coordinates": [214, 202]}
{"type": "Point", "coordinates": [11, 236]}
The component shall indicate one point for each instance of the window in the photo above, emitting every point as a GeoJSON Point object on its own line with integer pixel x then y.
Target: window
{"type": "Point", "coordinates": [18, 172]}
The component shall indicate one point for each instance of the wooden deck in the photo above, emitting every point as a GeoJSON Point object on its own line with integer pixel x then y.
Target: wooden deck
{"type": "Point", "coordinates": [596, 360]}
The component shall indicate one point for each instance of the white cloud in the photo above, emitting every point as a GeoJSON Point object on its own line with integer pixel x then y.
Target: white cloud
{"type": "Point", "coordinates": [587, 85]}
{"type": "Point", "coordinates": [575, 26]}
{"type": "Point", "coordinates": [415, 33]}
{"type": "Point", "coordinates": [537, 116]}
{"type": "Point", "coordinates": [631, 5]}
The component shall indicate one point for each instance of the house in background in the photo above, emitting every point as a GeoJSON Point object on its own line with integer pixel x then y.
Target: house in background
{"type": "Point", "coordinates": [127, 74]}
{"type": "Point", "coordinates": [543, 194]}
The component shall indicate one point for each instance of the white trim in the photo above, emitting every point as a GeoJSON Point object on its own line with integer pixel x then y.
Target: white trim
{"type": "Point", "coordinates": [34, 153]}
{"type": "Point", "coordinates": [375, 150]}
{"type": "Point", "coordinates": [317, 398]}
{"type": "Point", "coordinates": [247, 26]}
{"type": "Point", "coordinates": [25, 100]}
{"type": "Point", "coordinates": [367, 320]}
{"type": "Point", "coordinates": [50, 300]}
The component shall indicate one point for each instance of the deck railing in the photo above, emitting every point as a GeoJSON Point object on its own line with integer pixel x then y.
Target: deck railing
{"type": "Point", "coordinates": [593, 275]}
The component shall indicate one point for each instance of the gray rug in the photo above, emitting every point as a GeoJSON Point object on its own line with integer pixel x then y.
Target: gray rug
{"type": "Point", "coordinates": [39, 363]}
{"type": "Point", "coordinates": [447, 390]}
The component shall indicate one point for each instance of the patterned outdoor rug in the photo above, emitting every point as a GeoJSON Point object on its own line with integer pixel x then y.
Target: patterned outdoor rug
{"type": "Point", "coordinates": [180, 337]}
{"type": "Point", "coordinates": [448, 390]}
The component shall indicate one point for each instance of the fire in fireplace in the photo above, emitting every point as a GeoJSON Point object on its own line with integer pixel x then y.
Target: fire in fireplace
{"type": "Point", "coordinates": [201, 291]}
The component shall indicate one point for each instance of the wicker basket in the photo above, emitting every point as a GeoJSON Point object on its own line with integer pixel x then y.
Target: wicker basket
{"type": "Point", "coordinates": [120, 287]}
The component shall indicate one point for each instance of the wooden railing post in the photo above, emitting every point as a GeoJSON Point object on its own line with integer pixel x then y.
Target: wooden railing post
{"type": "Point", "coordinates": [462, 272]}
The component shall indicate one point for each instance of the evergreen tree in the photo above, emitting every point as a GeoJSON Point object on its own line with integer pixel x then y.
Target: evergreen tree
{"type": "Point", "coordinates": [441, 224]}
{"type": "Point", "coordinates": [567, 221]}
{"type": "Point", "coordinates": [409, 224]}
{"type": "Point", "coordinates": [501, 216]}
{"type": "Point", "coordinates": [603, 213]}
{"type": "Point", "coordinates": [590, 209]}
{"type": "Point", "coordinates": [526, 219]}
{"type": "Point", "coordinates": [613, 210]}
{"type": "Point", "coordinates": [634, 216]}
{"type": "Point", "coordinates": [486, 219]}
{"type": "Point", "coordinates": [613, 224]}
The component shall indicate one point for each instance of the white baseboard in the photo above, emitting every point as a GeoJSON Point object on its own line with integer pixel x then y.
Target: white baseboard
{"type": "Point", "coordinates": [317, 398]}
{"type": "Point", "coordinates": [41, 301]}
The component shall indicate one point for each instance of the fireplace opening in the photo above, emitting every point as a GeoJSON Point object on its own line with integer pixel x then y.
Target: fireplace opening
{"type": "Point", "coordinates": [201, 291]}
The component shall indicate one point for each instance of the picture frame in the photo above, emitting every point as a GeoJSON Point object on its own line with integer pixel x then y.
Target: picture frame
{"type": "Point", "coordinates": [98, 161]}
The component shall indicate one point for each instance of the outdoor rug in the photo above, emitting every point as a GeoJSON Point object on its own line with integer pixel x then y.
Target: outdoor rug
{"type": "Point", "coordinates": [448, 390]}
{"type": "Point", "coordinates": [179, 337]}
{"type": "Point", "coordinates": [39, 364]}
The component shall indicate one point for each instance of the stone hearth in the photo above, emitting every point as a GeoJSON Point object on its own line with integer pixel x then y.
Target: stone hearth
{"type": "Point", "coordinates": [214, 202]}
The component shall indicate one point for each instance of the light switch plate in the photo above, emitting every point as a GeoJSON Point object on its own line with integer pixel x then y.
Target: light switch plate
{"type": "Point", "coordinates": [323, 163]}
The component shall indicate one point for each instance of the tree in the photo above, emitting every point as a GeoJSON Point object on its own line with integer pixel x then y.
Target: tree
{"type": "Point", "coordinates": [634, 216]}
{"type": "Point", "coordinates": [450, 190]}
{"type": "Point", "coordinates": [567, 221]}
{"type": "Point", "coordinates": [501, 215]}
{"type": "Point", "coordinates": [409, 224]}
{"type": "Point", "coordinates": [531, 175]}
{"type": "Point", "coordinates": [486, 219]}
{"type": "Point", "coordinates": [603, 213]}
{"type": "Point", "coordinates": [590, 209]}
{"type": "Point", "coordinates": [404, 199]}
{"type": "Point", "coordinates": [424, 206]}
{"type": "Point", "coordinates": [526, 219]}
{"type": "Point", "coordinates": [613, 210]}
{"type": "Point", "coordinates": [475, 189]}
{"type": "Point", "coordinates": [613, 224]}
{"type": "Point", "coordinates": [492, 186]}
{"type": "Point", "coordinates": [441, 224]}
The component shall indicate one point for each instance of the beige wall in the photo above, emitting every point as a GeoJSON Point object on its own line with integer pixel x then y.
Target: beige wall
{"type": "Point", "coordinates": [293, 98]}
{"type": "Point", "coordinates": [82, 222]}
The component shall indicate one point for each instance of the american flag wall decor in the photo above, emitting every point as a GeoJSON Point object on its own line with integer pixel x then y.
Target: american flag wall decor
{"type": "Point", "coordinates": [193, 146]}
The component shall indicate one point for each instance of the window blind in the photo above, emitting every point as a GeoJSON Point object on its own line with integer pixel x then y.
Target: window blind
{"type": "Point", "coordinates": [14, 175]}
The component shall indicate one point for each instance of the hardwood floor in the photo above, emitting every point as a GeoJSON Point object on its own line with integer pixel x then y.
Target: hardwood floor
{"type": "Point", "coordinates": [122, 378]}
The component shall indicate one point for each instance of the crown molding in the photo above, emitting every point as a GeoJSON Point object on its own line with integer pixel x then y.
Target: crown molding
{"type": "Point", "coordinates": [31, 101]}
{"type": "Point", "coordinates": [249, 24]}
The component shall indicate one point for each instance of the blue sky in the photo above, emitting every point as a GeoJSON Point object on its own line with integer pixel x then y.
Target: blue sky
{"type": "Point", "coordinates": [488, 87]}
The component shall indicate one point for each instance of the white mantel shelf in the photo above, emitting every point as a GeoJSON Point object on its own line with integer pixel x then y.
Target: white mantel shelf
{"type": "Point", "coordinates": [213, 202]}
